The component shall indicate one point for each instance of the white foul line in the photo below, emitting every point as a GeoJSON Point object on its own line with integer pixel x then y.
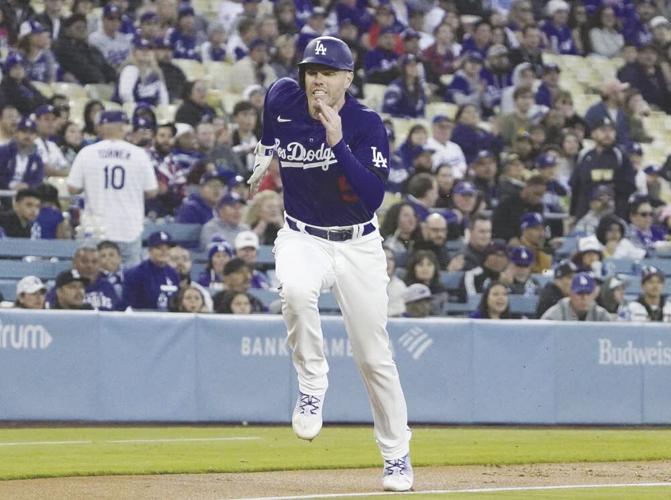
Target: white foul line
{"type": "Point", "coordinates": [473, 490]}
{"type": "Point", "coordinates": [129, 441]}
{"type": "Point", "coordinates": [40, 443]}
{"type": "Point", "coordinates": [180, 440]}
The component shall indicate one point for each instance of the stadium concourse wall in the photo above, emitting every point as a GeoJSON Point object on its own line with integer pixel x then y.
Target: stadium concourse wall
{"type": "Point", "coordinates": [57, 365]}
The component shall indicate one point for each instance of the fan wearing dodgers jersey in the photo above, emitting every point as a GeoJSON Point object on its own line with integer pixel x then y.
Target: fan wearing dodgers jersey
{"type": "Point", "coordinates": [115, 177]}
{"type": "Point", "coordinates": [333, 155]}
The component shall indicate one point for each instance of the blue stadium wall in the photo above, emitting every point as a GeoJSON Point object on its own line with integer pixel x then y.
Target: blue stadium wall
{"type": "Point", "coordinates": [185, 368]}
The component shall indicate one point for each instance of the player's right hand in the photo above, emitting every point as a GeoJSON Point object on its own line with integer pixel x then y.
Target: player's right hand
{"type": "Point", "coordinates": [262, 158]}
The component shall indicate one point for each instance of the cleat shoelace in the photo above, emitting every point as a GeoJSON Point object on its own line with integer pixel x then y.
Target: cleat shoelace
{"type": "Point", "coordinates": [398, 466]}
{"type": "Point", "coordinates": [308, 404]}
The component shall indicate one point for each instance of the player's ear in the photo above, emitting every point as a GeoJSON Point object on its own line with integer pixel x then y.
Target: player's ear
{"type": "Point", "coordinates": [349, 76]}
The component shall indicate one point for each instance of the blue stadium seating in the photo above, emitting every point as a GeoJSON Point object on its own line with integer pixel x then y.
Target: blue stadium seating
{"type": "Point", "coordinates": [21, 247]}
{"type": "Point", "coordinates": [523, 305]}
{"type": "Point", "coordinates": [187, 235]}
{"type": "Point", "coordinates": [17, 269]}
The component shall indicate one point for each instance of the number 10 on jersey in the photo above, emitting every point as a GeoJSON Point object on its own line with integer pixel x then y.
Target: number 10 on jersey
{"type": "Point", "coordinates": [115, 177]}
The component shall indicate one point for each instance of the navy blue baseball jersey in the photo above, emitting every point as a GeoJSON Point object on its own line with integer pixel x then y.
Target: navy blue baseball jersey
{"type": "Point", "coordinates": [325, 186]}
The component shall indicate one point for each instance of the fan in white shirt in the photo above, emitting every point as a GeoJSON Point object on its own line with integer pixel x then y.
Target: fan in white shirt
{"type": "Point", "coordinates": [115, 177]}
{"type": "Point", "coordinates": [444, 150]}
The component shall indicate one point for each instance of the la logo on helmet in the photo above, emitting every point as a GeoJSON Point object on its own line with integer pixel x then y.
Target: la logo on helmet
{"type": "Point", "coordinates": [320, 49]}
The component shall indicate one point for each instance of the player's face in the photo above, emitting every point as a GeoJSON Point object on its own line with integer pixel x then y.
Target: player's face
{"type": "Point", "coordinates": [192, 301]}
{"type": "Point", "coordinates": [497, 301]}
{"type": "Point", "coordinates": [652, 286]}
{"type": "Point", "coordinates": [28, 208]}
{"type": "Point", "coordinates": [71, 296]}
{"type": "Point", "coordinates": [87, 263]}
{"type": "Point", "coordinates": [180, 259]}
{"type": "Point", "coordinates": [241, 305]}
{"type": "Point", "coordinates": [328, 85]}
{"type": "Point", "coordinates": [110, 260]}
{"type": "Point", "coordinates": [32, 300]}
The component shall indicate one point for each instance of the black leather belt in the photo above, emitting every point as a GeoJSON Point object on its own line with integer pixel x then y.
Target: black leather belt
{"type": "Point", "coordinates": [343, 234]}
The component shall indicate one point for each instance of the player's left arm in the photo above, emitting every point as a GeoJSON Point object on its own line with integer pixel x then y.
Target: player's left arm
{"type": "Point", "coordinates": [365, 165]}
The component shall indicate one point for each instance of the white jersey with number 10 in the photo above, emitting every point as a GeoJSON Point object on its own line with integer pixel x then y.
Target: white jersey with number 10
{"type": "Point", "coordinates": [114, 176]}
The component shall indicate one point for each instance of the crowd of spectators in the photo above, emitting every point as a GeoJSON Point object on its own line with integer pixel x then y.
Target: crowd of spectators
{"type": "Point", "coordinates": [510, 174]}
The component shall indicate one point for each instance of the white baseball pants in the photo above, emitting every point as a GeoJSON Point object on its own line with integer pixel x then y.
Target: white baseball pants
{"type": "Point", "coordinates": [356, 271]}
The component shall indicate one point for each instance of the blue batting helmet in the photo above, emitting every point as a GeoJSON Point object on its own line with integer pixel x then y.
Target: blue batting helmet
{"type": "Point", "coordinates": [327, 51]}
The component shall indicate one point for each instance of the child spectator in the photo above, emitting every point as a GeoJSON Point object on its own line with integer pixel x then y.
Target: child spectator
{"type": "Point", "coordinates": [19, 222]}
{"type": "Point", "coordinates": [190, 300]}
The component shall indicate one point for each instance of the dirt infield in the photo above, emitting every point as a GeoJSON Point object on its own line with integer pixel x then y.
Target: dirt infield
{"type": "Point", "coordinates": [258, 484]}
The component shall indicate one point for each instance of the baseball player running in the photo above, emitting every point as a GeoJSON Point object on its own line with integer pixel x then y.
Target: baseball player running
{"type": "Point", "coordinates": [333, 155]}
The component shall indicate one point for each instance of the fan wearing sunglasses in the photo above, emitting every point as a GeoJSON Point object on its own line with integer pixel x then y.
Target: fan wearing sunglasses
{"type": "Point", "coordinates": [642, 231]}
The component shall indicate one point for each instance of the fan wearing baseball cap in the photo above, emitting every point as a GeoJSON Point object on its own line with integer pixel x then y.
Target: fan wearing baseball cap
{"type": "Point", "coordinates": [532, 227]}
{"type": "Point", "coordinates": [151, 284]}
{"type": "Point", "coordinates": [30, 293]}
{"type": "Point", "coordinates": [652, 304]}
{"type": "Point", "coordinates": [70, 291]}
{"type": "Point", "coordinates": [495, 262]}
{"type": "Point", "coordinates": [580, 305]}
{"type": "Point", "coordinates": [16, 87]}
{"type": "Point", "coordinates": [558, 288]}
{"type": "Point", "coordinates": [517, 274]}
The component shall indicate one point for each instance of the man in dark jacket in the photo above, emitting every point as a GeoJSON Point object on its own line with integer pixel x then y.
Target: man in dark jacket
{"type": "Point", "coordinates": [175, 80]}
{"type": "Point", "coordinates": [152, 283]}
{"type": "Point", "coordinates": [556, 289]}
{"type": "Point", "coordinates": [16, 89]}
{"type": "Point", "coordinates": [507, 216]}
{"type": "Point", "coordinates": [18, 222]}
{"type": "Point", "coordinates": [606, 165]}
{"type": "Point", "coordinates": [20, 164]}
{"type": "Point", "coordinates": [70, 288]}
{"type": "Point", "coordinates": [647, 76]}
{"type": "Point", "coordinates": [77, 57]}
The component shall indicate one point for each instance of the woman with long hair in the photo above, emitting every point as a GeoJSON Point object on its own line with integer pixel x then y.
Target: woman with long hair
{"type": "Point", "coordinates": [470, 137]}
{"type": "Point", "coordinates": [401, 228]}
{"type": "Point", "coordinates": [212, 276]}
{"type": "Point", "coordinates": [35, 43]}
{"type": "Point", "coordinates": [141, 80]}
{"type": "Point", "coordinates": [190, 300]}
{"type": "Point", "coordinates": [405, 96]}
{"type": "Point", "coordinates": [91, 111]}
{"type": "Point", "coordinates": [423, 267]}
{"type": "Point", "coordinates": [494, 303]}
{"type": "Point", "coordinates": [414, 142]}
{"type": "Point", "coordinates": [70, 140]}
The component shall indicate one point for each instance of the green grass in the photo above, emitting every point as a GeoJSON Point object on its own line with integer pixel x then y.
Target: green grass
{"type": "Point", "coordinates": [336, 447]}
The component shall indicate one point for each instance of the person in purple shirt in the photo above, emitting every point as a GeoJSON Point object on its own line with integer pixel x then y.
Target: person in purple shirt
{"type": "Point", "coordinates": [183, 37]}
{"type": "Point", "coordinates": [405, 96]}
{"type": "Point", "coordinates": [152, 283]}
{"type": "Point", "coordinates": [557, 30]}
{"type": "Point", "coordinates": [481, 39]}
{"type": "Point", "coordinates": [380, 63]}
{"type": "Point", "coordinates": [20, 164]}
{"type": "Point", "coordinates": [333, 155]}
{"type": "Point", "coordinates": [636, 29]}
{"type": "Point", "coordinates": [198, 207]}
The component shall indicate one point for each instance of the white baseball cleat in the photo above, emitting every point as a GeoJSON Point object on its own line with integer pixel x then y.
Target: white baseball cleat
{"type": "Point", "coordinates": [398, 475]}
{"type": "Point", "coordinates": [307, 417]}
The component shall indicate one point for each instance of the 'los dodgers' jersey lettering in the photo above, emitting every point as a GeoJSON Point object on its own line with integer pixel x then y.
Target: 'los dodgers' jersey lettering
{"type": "Point", "coordinates": [316, 185]}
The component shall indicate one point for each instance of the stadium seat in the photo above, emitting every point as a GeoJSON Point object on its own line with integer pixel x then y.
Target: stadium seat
{"type": "Point", "coordinates": [229, 100]}
{"type": "Point", "coordinates": [620, 266]}
{"type": "Point", "coordinates": [215, 99]}
{"type": "Point", "coordinates": [197, 268]}
{"type": "Point", "coordinates": [100, 91]}
{"type": "Point", "coordinates": [373, 95]}
{"type": "Point", "coordinates": [44, 88]}
{"type": "Point", "coordinates": [187, 235]}
{"type": "Point", "coordinates": [194, 70]}
{"type": "Point", "coordinates": [219, 74]}
{"type": "Point", "coordinates": [328, 304]}
{"type": "Point", "coordinates": [451, 280]}
{"type": "Point", "coordinates": [17, 269]}
{"type": "Point", "coordinates": [522, 305]}
{"type": "Point", "coordinates": [441, 108]}
{"type": "Point", "coordinates": [69, 90]}
{"type": "Point", "coordinates": [663, 264]}
{"type": "Point", "coordinates": [165, 113]}
{"type": "Point", "coordinates": [8, 289]}
{"type": "Point", "coordinates": [265, 257]}
{"type": "Point", "coordinates": [20, 247]}
{"type": "Point", "coordinates": [462, 308]}
{"type": "Point", "coordinates": [267, 297]}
